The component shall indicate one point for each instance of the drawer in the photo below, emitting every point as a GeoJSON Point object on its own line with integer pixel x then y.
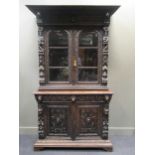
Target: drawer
{"type": "Point", "coordinates": [74, 98]}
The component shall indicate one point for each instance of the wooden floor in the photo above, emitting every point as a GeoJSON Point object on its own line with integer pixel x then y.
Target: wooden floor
{"type": "Point", "coordinates": [48, 143]}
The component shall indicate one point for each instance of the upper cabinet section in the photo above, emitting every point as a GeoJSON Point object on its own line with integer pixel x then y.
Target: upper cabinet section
{"type": "Point", "coordinates": [73, 44]}
{"type": "Point", "coordinates": [73, 15]}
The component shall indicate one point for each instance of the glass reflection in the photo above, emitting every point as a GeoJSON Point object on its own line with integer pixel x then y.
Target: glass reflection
{"type": "Point", "coordinates": [88, 39]}
{"type": "Point", "coordinates": [60, 74]}
{"type": "Point", "coordinates": [87, 57]}
{"type": "Point", "coordinates": [87, 74]}
{"type": "Point", "coordinates": [58, 57]}
{"type": "Point", "coordinates": [58, 38]}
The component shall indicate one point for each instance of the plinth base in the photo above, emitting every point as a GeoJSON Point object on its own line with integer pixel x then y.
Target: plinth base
{"type": "Point", "coordinates": [106, 145]}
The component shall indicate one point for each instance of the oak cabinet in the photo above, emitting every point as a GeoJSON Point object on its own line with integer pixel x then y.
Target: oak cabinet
{"type": "Point", "coordinates": [73, 96]}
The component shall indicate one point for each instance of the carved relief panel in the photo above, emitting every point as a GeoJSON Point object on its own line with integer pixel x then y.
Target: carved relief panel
{"type": "Point", "coordinates": [58, 120]}
{"type": "Point", "coordinates": [89, 119]}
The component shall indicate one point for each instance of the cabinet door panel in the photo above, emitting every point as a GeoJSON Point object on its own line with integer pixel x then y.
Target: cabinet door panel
{"type": "Point", "coordinates": [59, 121]}
{"type": "Point", "coordinates": [89, 119]}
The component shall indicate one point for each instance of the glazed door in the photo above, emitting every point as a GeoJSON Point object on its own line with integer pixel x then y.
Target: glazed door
{"type": "Point", "coordinates": [58, 56]}
{"type": "Point", "coordinates": [73, 56]}
{"type": "Point", "coordinates": [88, 47]}
{"type": "Point", "coordinates": [86, 56]}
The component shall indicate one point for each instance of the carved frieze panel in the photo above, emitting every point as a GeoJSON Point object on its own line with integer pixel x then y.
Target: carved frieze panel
{"type": "Point", "coordinates": [90, 97]}
{"type": "Point", "coordinates": [56, 98]}
{"type": "Point", "coordinates": [48, 98]}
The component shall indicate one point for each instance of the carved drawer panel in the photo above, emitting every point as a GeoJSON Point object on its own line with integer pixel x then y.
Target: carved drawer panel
{"type": "Point", "coordinates": [50, 98]}
{"type": "Point", "coordinates": [94, 98]}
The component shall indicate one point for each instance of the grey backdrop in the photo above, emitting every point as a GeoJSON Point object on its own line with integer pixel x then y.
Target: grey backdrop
{"type": "Point", "coordinates": [121, 69]}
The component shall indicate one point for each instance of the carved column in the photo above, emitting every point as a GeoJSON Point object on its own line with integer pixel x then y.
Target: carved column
{"type": "Point", "coordinates": [105, 126]}
{"type": "Point", "coordinates": [105, 56]}
{"type": "Point", "coordinates": [41, 125]}
{"type": "Point", "coordinates": [41, 44]}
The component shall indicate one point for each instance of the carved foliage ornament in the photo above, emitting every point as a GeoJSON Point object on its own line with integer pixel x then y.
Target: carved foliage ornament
{"type": "Point", "coordinates": [58, 120]}
{"type": "Point", "coordinates": [105, 56]}
{"type": "Point", "coordinates": [105, 125]}
{"type": "Point", "coordinates": [47, 98]}
{"type": "Point", "coordinates": [41, 131]}
{"type": "Point", "coordinates": [41, 44]}
{"type": "Point", "coordinates": [88, 119]}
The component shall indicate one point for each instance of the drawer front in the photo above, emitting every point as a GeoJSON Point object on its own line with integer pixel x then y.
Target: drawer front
{"type": "Point", "coordinates": [96, 98]}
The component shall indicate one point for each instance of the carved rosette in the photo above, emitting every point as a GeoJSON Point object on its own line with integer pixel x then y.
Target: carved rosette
{"type": "Point", "coordinates": [41, 44]}
{"type": "Point", "coordinates": [105, 56]}
{"type": "Point", "coordinates": [41, 132]}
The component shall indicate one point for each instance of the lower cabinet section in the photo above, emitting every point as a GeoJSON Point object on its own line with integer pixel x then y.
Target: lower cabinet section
{"type": "Point", "coordinates": [73, 116]}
